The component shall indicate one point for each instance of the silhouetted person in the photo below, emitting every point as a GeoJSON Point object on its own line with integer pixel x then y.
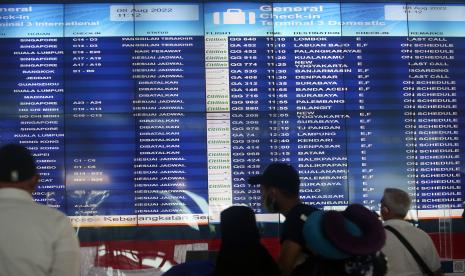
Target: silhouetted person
{"type": "Point", "coordinates": [241, 252]}
{"type": "Point", "coordinates": [395, 205]}
{"type": "Point", "coordinates": [34, 239]}
{"type": "Point", "coordinates": [280, 185]}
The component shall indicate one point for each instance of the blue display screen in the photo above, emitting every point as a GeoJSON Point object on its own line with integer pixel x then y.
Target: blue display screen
{"type": "Point", "coordinates": [157, 113]}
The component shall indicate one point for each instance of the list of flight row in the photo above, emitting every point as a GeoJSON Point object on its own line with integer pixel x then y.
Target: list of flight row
{"type": "Point", "coordinates": [340, 99]}
{"type": "Point", "coordinates": [155, 153]}
{"type": "Point", "coordinates": [315, 91]}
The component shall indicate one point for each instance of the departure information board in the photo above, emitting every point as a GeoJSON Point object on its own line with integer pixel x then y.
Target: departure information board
{"type": "Point", "coordinates": [157, 113]}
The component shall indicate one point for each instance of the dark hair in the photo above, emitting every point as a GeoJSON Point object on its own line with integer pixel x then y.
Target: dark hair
{"type": "Point", "coordinates": [279, 175]}
{"type": "Point", "coordinates": [241, 252]}
{"type": "Point", "coordinates": [16, 163]}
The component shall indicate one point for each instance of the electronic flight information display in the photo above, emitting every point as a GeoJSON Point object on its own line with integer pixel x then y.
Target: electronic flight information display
{"type": "Point", "coordinates": [157, 113]}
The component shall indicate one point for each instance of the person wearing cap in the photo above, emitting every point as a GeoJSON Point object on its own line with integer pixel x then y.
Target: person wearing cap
{"type": "Point", "coordinates": [34, 239]}
{"type": "Point", "coordinates": [344, 243]}
{"type": "Point", "coordinates": [395, 205]}
{"type": "Point", "coordinates": [280, 185]}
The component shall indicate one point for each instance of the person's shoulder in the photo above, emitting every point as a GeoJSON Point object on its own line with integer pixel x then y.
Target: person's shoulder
{"type": "Point", "coordinates": [48, 213]}
{"type": "Point", "coordinates": [422, 233]}
{"type": "Point", "coordinates": [407, 228]}
{"type": "Point", "coordinates": [297, 211]}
